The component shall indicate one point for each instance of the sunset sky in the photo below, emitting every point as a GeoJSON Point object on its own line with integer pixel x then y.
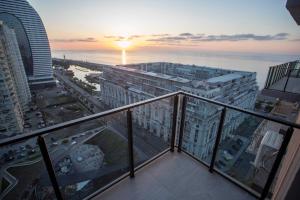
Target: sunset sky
{"type": "Point", "coordinates": [209, 25]}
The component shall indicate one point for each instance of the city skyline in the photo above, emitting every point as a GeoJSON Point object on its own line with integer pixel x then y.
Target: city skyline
{"type": "Point", "coordinates": [256, 26]}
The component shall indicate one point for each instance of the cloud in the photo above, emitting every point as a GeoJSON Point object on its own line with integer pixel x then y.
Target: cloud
{"type": "Point", "coordinates": [160, 35]}
{"type": "Point", "coordinates": [186, 34]}
{"type": "Point", "coordinates": [118, 38]}
{"type": "Point", "coordinates": [114, 37]}
{"type": "Point", "coordinates": [89, 39]}
{"type": "Point", "coordinates": [240, 37]}
{"type": "Point", "coordinates": [135, 36]}
{"type": "Point", "coordinates": [167, 39]}
{"type": "Point", "coordinates": [189, 37]}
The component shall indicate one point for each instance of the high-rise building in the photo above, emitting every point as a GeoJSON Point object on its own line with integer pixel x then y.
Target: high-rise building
{"type": "Point", "coordinates": [127, 84]}
{"type": "Point", "coordinates": [15, 93]}
{"type": "Point", "coordinates": [32, 39]}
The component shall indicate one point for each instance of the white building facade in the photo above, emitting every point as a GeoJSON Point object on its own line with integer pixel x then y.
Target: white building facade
{"type": "Point", "coordinates": [15, 93]}
{"type": "Point", "coordinates": [121, 85]}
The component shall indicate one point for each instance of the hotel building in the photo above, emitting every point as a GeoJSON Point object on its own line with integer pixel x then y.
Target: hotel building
{"type": "Point", "coordinates": [121, 85]}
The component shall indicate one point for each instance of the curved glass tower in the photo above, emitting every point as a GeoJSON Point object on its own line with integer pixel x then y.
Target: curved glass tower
{"type": "Point", "coordinates": [32, 39]}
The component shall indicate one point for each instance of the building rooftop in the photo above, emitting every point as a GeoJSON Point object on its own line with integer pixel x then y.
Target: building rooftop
{"type": "Point", "coordinates": [272, 139]}
{"type": "Point", "coordinates": [224, 78]}
{"type": "Point", "coordinates": [200, 77]}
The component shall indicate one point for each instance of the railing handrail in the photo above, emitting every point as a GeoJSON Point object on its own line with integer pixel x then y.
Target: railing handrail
{"type": "Point", "coordinates": [250, 112]}
{"type": "Point", "coordinates": [59, 126]}
{"type": "Point", "coordinates": [62, 125]}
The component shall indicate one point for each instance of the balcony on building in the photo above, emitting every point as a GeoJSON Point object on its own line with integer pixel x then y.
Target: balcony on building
{"type": "Point", "coordinates": [123, 157]}
{"type": "Point", "coordinates": [283, 81]}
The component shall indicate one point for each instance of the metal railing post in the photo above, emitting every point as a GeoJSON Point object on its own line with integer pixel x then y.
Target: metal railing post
{"type": "Point", "coordinates": [49, 167]}
{"type": "Point", "coordinates": [287, 80]}
{"type": "Point", "coordinates": [277, 162]}
{"type": "Point", "coordinates": [218, 138]}
{"type": "Point", "coordinates": [182, 122]}
{"type": "Point", "coordinates": [174, 124]}
{"type": "Point", "coordinates": [130, 143]}
{"type": "Point", "coordinates": [268, 79]}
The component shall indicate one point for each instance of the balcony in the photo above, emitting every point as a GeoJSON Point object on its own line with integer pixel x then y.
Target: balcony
{"type": "Point", "coordinates": [175, 176]}
{"type": "Point", "coordinates": [283, 81]}
{"type": "Point", "coordinates": [122, 153]}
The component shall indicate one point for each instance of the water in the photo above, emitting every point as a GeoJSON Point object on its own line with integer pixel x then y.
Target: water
{"type": "Point", "coordinates": [258, 63]}
{"type": "Point", "coordinates": [80, 73]}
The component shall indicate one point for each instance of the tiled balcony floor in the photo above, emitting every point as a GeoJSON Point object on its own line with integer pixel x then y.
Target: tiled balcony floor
{"type": "Point", "coordinates": [175, 176]}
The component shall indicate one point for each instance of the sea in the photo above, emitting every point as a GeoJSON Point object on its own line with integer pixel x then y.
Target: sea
{"type": "Point", "coordinates": [253, 62]}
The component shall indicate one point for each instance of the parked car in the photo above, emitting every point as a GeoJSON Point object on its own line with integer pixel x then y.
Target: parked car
{"type": "Point", "coordinates": [220, 164]}
{"type": "Point", "coordinates": [239, 142]}
{"type": "Point", "coordinates": [27, 125]}
{"type": "Point", "coordinates": [234, 147]}
{"type": "Point", "coordinates": [227, 156]}
{"type": "Point", "coordinates": [9, 158]}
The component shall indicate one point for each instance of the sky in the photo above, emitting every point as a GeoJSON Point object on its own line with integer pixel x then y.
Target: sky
{"type": "Point", "coordinates": [260, 26]}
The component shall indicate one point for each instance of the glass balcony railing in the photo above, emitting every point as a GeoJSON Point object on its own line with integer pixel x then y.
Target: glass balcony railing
{"type": "Point", "coordinates": [85, 156]}
{"type": "Point", "coordinates": [244, 146]}
{"type": "Point", "coordinates": [200, 128]}
{"type": "Point", "coordinates": [152, 129]}
{"type": "Point", "coordinates": [284, 78]}
{"type": "Point", "coordinates": [82, 158]}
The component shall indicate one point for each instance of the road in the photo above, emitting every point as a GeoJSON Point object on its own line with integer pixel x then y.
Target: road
{"type": "Point", "coordinates": [98, 106]}
{"type": "Point", "coordinates": [11, 179]}
{"type": "Point", "coordinates": [147, 143]}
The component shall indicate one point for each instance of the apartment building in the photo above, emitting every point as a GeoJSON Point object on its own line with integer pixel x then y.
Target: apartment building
{"type": "Point", "coordinates": [15, 93]}
{"type": "Point", "coordinates": [121, 85]}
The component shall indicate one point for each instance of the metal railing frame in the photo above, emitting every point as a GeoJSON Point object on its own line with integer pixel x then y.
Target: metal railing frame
{"type": "Point", "coordinates": [46, 157]}
{"type": "Point", "coordinates": [276, 73]}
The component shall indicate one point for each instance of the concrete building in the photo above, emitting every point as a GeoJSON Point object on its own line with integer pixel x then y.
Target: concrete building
{"type": "Point", "coordinates": [127, 84]}
{"type": "Point", "coordinates": [15, 93]}
{"type": "Point", "coordinates": [282, 86]}
{"type": "Point", "coordinates": [32, 40]}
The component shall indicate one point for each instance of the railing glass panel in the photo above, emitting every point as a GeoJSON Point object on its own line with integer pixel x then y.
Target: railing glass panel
{"type": "Point", "coordinates": [152, 129]}
{"type": "Point", "coordinates": [248, 148]}
{"type": "Point", "coordinates": [23, 172]}
{"type": "Point", "coordinates": [88, 156]}
{"type": "Point", "coordinates": [200, 128]}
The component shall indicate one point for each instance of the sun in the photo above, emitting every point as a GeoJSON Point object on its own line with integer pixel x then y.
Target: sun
{"type": "Point", "coordinates": [124, 44]}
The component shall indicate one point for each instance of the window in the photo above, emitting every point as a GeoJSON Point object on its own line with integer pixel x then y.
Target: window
{"type": "Point", "coordinates": [212, 130]}
{"type": "Point", "coordinates": [196, 135]}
